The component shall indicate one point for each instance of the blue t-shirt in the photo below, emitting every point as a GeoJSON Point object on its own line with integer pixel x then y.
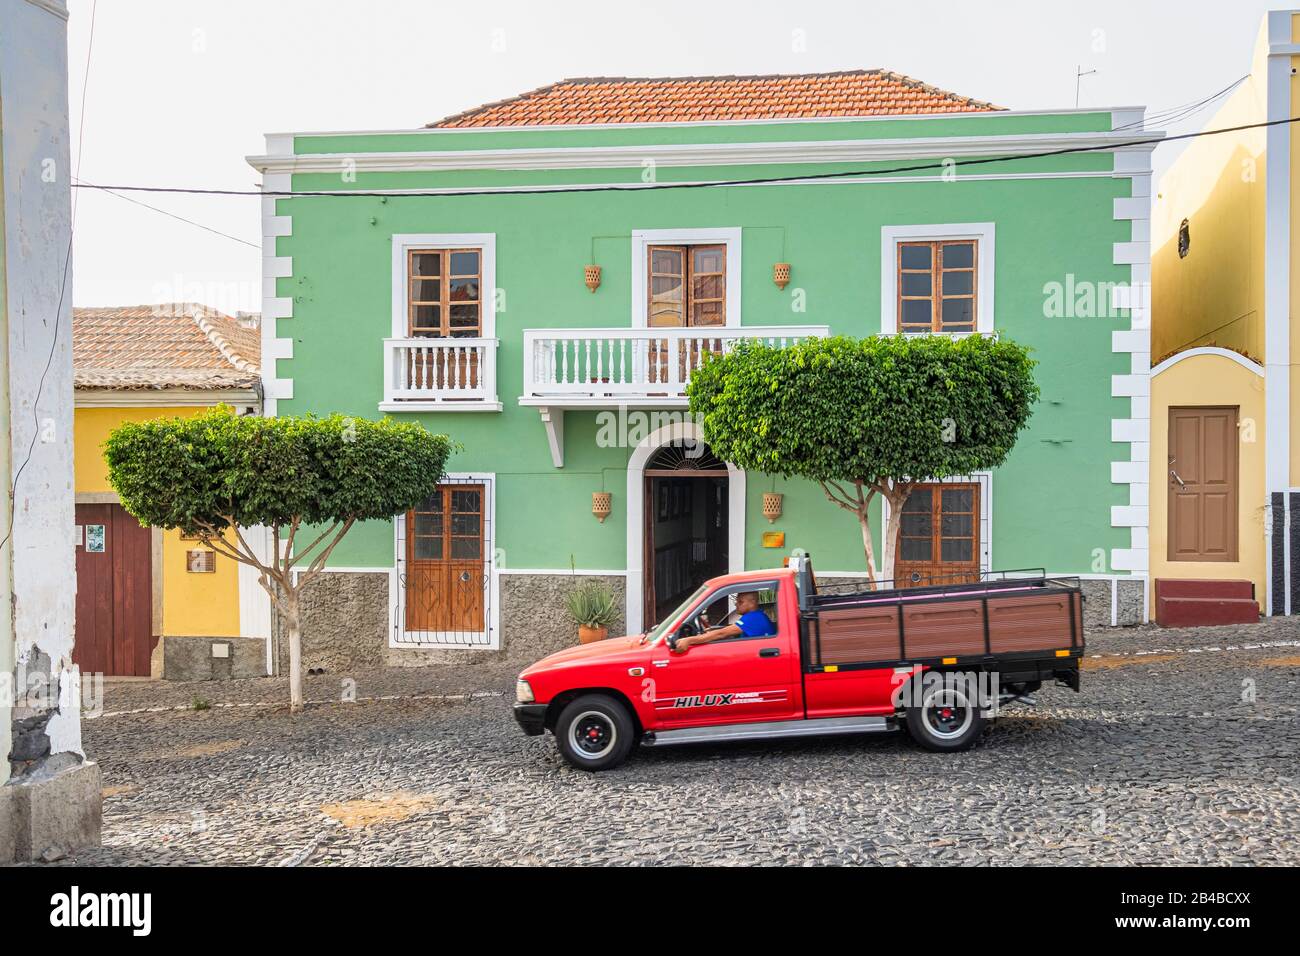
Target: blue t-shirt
{"type": "Point", "coordinates": [756, 624]}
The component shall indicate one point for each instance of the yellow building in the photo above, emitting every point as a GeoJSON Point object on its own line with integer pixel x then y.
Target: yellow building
{"type": "Point", "coordinates": [1225, 457]}
{"type": "Point", "coordinates": [151, 603]}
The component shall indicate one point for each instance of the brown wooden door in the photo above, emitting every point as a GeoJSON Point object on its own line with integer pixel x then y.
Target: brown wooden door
{"type": "Point", "coordinates": [114, 633]}
{"type": "Point", "coordinates": [1202, 480]}
{"type": "Point", "coordinates": [939, 536]}
{"type": "Point", "coordinates": [446, 568]}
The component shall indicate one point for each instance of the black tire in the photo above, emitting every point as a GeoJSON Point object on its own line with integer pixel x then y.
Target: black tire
{"type": "Point", "coordinates": [946, 716]}
{"type": "Point", "coordinates": [595, 732]}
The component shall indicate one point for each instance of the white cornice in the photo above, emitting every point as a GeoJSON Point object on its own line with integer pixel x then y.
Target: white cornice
{"type": "Point", "coordinates": [163, 397]}
{"type": "Point", "coordinates": [780, 121]}
{"type": "Point", "coordinates": [704, 154]}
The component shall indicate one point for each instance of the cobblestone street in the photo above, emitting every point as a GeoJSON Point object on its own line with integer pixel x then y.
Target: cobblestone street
{"type": "Point", "coordinates": [1181, 749]}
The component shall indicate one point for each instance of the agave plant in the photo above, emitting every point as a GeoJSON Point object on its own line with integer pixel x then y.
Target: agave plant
{"type": "Point", "coordinates": [592, 604]}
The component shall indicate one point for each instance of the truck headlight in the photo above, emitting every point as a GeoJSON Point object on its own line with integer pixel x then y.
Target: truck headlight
{"type": "Point", "coordinates": [523, 693]}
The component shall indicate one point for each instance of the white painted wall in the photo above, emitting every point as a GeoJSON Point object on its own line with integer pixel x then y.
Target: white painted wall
{"type": "Point", "coordinates": [37, 563]}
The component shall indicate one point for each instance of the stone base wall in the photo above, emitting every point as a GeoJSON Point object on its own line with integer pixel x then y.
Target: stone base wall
{"type": "Point", "coordinates": [194, 658]}
{"type": "Point", "coordinates": [346, 622]}
{"type": "Point", "coordinates": [1098, 598]}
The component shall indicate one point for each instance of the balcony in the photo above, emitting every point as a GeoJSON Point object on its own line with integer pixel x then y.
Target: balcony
{"type": "Point", "coordinates": [440, 374]}
{"type": "Point", "coordinates": [626, 368]}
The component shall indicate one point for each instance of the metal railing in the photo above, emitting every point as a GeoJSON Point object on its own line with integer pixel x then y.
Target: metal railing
{"type": "Point", "coordinates": [634, 363]}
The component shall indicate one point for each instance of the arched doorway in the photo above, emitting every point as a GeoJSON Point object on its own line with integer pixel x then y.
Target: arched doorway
{"type": "Point", "coordinates": [686, 517]}
{"type": "Point", "coordinates": [686, 524]}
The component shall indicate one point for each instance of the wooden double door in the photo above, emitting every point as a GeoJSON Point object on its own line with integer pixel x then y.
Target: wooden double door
{"type": "Point", "coordinates": [114, 633]}
{"type": "Point", "coordinates": [939, 535]}
{"type": "Point", "coordinates": [446, 564]}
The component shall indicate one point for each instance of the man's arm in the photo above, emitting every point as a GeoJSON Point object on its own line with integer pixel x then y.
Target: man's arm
{"type": "Point", "coordinates": [709, 636]}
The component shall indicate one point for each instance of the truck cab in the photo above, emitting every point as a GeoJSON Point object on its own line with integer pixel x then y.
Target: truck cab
{"type": "Point", "coordinates": [757, 678]}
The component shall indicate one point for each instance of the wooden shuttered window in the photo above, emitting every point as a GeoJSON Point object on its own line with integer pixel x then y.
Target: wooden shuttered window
{"type": "Point", "coordinates": [444, 293]}
{"type": "Point", "coordinates": [937, 286]}
{"type": "Point", "coordinates": [687, 286]}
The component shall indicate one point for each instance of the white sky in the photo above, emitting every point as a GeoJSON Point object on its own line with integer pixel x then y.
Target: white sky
{"type": "Point", "coordinates": [181, 91]}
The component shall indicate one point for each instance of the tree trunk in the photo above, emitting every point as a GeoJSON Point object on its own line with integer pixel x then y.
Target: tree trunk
{"type": "Point", "coordinates": [291, 622]}
{"type": "Point", "coordinates": [867, 547]}
{"type": "Point", "coordinates": [890, 548]}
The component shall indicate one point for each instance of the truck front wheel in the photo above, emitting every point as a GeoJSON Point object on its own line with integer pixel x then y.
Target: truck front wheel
{"type": "Point", "coordinates": [946, 716]}
{"type": "Point", "coordinates": [594, 732]}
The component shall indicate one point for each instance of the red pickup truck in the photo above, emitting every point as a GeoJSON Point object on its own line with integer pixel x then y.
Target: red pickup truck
{"type": "Point", "coordinates": [937, 660]}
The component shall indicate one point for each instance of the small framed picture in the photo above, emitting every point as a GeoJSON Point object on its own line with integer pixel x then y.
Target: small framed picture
{"type": "Point", "coordinates": [95, 538]}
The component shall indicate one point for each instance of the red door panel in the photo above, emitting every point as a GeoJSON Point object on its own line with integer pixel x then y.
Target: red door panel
{"type": "Point", "coordinates": [731, 681]}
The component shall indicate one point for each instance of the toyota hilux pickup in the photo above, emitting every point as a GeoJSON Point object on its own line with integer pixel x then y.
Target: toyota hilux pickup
{"type": "Point", "coordinates": [936, 660]}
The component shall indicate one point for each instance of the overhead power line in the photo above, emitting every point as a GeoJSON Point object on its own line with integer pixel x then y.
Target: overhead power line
{"type": "Point", "coordinates": [172, 215]}
{"type": "Point", "coordinates": [941, 165]}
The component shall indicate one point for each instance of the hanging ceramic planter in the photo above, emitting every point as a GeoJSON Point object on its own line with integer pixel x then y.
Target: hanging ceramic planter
{"type": "Point", "coordinates": [781, 274]}
{"type": "Point", "coordinates": [772, 505]}
{"type": "Point", "coordinates": [591, 275]}
{"type": "Point", "coordinates": [602, 503]}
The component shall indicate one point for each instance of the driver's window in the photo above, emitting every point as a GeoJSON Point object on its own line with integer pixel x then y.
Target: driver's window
{"type": "Point", "coordinates": [717, 612]}
{"type": "Point", "coordinates": [723, 609]}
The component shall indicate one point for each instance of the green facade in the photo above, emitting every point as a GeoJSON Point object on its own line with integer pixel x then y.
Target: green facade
{"type": "Point", "coordinates": [1054, 216]}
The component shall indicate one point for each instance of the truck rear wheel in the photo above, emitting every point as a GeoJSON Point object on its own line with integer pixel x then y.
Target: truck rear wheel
{"type": "Point", "coordinates": [594, 732]}
{"type": "Point", "coordinates": [947, 716]}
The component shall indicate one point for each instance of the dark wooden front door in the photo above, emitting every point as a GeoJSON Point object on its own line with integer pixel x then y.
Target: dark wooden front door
{"type": "Point", "coordinates": [1202, 479]}
{"type": "Point", "coordinates": [114, 633]}
{"type": "Point", "coordinates": [939, 536]}
{"type": "Point", "coordinates": [446, 568]}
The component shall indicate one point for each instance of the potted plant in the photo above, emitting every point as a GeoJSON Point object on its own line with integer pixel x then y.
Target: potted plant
{"type": "Point", "coordinates": [594, 608]}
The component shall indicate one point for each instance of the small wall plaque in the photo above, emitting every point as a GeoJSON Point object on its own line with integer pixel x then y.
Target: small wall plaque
{"type": "Point", "coordinates": [200, 562]}
{"type": "Point", "coordinates": [95, 538]}
{"type": "Point", "coordinates": [774, 539]}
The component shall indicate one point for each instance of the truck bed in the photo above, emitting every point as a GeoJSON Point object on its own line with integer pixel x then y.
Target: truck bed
{"type": "Point", "coordinates": [1029, 627]}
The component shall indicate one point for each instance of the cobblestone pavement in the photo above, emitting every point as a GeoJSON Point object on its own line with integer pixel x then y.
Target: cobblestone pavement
{"type": "Point", "coordinates": [1181, 749]}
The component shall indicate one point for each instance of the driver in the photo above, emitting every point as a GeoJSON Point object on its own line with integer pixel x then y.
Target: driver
{"type": "Point", "coordinates": [751, 623]}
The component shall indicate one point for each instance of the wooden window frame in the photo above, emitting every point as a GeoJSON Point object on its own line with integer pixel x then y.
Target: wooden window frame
{"type": "Point", "coordinates": [445, 494]}
{"type": "Point", "coordinates": [688, 276]}
{"type": "Point", "coordinates": [444, 302]}
{"type": "Point", "coordinates": [936, 271]}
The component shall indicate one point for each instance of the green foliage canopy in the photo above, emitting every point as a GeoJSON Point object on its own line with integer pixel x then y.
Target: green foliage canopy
{"type": "Point", "coordinates": [205, 473]}
{"type": "Point", "coordinates": [873, 410]}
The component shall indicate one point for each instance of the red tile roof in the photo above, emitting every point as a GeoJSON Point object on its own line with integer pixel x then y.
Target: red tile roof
{"type": "Point", "coordinates": [590, 100]}
{"type": "Point", "coordinates": [180, 345]}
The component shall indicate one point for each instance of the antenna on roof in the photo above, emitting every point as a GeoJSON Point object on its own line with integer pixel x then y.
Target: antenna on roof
{"type": "Point", "coordinates": [1079, 74]}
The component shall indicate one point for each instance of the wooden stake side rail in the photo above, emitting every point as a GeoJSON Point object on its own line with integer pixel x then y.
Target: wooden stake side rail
{"type": "Point", "coordinates": [972, 624]}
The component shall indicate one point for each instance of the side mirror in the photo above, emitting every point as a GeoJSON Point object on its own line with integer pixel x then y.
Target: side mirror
{"type": "Point", "coordinates": [672, 642]}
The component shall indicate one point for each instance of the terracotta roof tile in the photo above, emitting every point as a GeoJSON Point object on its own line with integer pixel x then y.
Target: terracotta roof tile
{"type": "Point", "coordinates": [180, 345]}
{"type": "Point", "coordinates": [599, 100]}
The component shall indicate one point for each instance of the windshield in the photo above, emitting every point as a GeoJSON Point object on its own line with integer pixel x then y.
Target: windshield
{"type": "Point", "coordinates": [660, 629]}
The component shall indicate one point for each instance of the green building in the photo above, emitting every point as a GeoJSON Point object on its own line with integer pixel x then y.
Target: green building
{"type": "Point", "coordinates": [538, 277]}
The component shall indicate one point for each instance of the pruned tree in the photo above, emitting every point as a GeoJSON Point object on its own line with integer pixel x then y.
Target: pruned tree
{"type": "Point", "coordinates": [307, 479]}
{"type": "Point", "coordinates": [867, 417]}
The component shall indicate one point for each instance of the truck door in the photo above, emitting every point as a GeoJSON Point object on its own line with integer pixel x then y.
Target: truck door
{"type": "Point", "coordinates": [735, 680]}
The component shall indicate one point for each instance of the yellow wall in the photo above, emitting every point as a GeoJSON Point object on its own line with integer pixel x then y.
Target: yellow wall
{"type": "Point", "coordinates": [194, 605]}
{"type": "Point", "coordinates": [1211, 380]}
{"type": "Point", "coordinates": [1214, 296]}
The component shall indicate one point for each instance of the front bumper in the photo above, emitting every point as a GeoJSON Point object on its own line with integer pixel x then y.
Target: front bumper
{"type": "Point", "coordinates": [531, 718]}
